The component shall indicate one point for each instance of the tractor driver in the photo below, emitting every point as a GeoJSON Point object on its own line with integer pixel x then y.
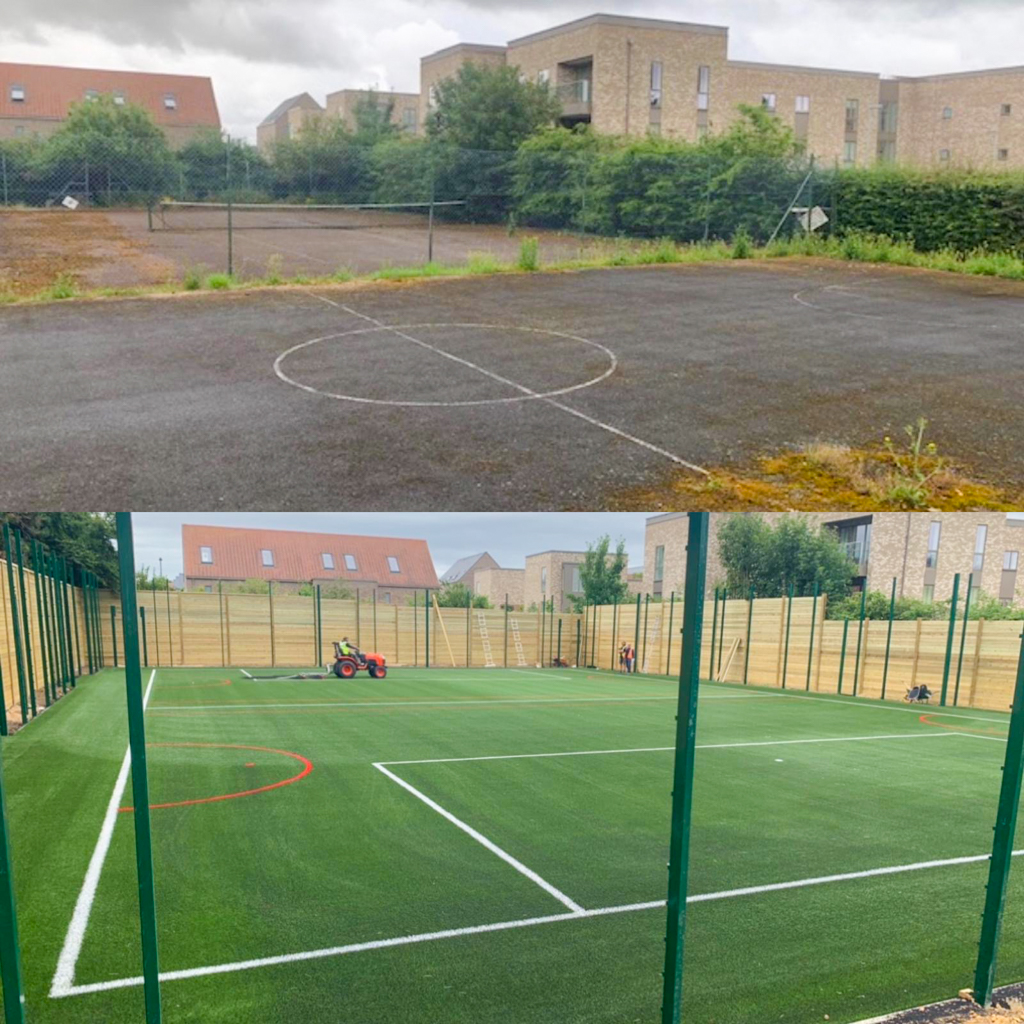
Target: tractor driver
{"type": "Point", "coordinates": [349, 648]}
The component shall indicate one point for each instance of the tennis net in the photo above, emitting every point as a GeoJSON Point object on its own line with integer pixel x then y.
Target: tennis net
{"type": "Point", "coordinates": [175, 215]}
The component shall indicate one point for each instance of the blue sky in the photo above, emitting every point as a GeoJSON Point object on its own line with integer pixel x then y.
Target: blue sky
{"type": "Point", "coordinates": [259, 52]}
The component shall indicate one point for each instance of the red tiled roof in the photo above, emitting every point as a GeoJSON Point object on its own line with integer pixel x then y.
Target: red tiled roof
{"type": "Point", "coordinates": [50, 91]}
{"type": "Point", "coordinates": [297, 556]}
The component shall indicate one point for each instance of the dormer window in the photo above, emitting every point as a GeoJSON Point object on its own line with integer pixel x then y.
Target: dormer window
{"type": "Point", "coordinates": [170, 102]}
{"type": "Point", "coordinates": [17, 94]}
{"type": "Point", "coordinates": [119, 98]}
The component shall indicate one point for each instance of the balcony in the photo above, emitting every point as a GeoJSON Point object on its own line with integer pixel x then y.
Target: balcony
{"type": "Point", "coordinates": [574, 97]}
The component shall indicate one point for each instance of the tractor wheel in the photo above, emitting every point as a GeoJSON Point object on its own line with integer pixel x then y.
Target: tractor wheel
{"type": "Point", "coordinates": [381, 671]}
{"type": "Point", "coordinates": [372, 670]}
{"type": "Point", "coordinates": [345, 669]}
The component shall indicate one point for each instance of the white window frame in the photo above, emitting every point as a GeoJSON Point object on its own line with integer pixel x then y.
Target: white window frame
{"type": "Point", "coordinates": [119, 99]}
{"type": "Point", "coordinates": [206, 554]}
{"type": "Point", "coordinates": [18, 94]}
{"type": "Point", "coordinates": [947, 113]}
{"type": "Point", "coordinates": [543, 579]}
{"type": "Point", "coordinates": [657, 79]}
{"type": "Point", "coordinates": [327, 559]}
{"type": "Point", "coordinates": [351, 564]}
{"type": "Point", "coordinates": [770, 102]}
{"type": "Point", "coordinates": [1010, 561]}
{"type": "Point", "coordinates": [544, 76]}
{"type": "Point", "coordinates": [980, 542]}
{"type": "Point", "coordinates": [848, 148]}
{"type": "Point", "coordinates": [704, 79]}
{"type": "Point", "coordinates": [267, 558]}
{"type": "Point", "coordinates": [92, 94]}
{"type": "Point", "coordinates": [393, 563]}
{"type": "Point", "coordinates": [170, 101]}
{"type": "Point", "coordinates": [803, 104]}
{"type": "Point", "coordinates": [852, 124]}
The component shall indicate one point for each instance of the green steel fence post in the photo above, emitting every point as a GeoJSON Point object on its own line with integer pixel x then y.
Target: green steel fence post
{"type": "Point", "coordinates": [860, 634]}
{"type": "Point", "coordinates": [577, 643]}
{"type": "Point", "coordinates": [25, 625]}
{"type": "Point", "coordinates": [842, 654]}
{"type": "Point", "coordinates": [374, 592]}
{"type": "Point", "coordinates": [559, 655]}
{"type": "Point", "coordinates": [156, 628]}
{"type": "Point", "coordinates": [721, 632]}
{"type": "Point", "coordinates": [270, 597]}
{"type": "Point", "coordinates": [543, 618]}
{"type": "Point", "coordinates": [51, 624]}
{"type": "Point", "coordinates": [220, 623]}
{"type": "Point", "coordinates": [3, 703]}
{"type": "Point", "coordinates": [615, 628]}
{"type": "Point", "coordinates": [145, 646]}
{"type": "Point", "coordinates": [68, 596]}
{"type": "Point", "coordinates": [96, 624]}
{"type": "Point", "coordinates": [312, 601]}
{"type": "Point", "coordinates": [113, 632]}
{"type": "Point", "coordinates": [19, 654]}
{"type": "Point", "coordinates": [320, 620]}
{"type": "Point", "coordinates": [949, 639]}
{"type": "Point", "coordinates": [647, 611]}
{"type": "Point", "coordinates": [39, 563]}
{"type": "Point", "coordinates": [415, 631]}
{"type": "Point", "coordinates": [469, 629]}
{"type": "Point", "coordinates": [714, 633]}
{"type": "Point", "coordinates": [551, 631]}
{"type": "Point", "coordinates": [789, 620]}
{"type": "Point", "coordinates": [87, 622]}
{"type": "Point", "coordinates": [505, 638]}
{"type": "Point", "coordinates": [1002, 845]}
{"type": "Point", "coordinates": [682, 784]}
{"type": "Point", "coordinates": [10, 953]}
{"type": "Point", "coordinates": [586, 630]}
{"type": "Point", "coordinates": [671, 615]}
{"type": "Point", "coordinates": [58, 589]}
{"type": "Point", "coordinates": [426, 626]}
{"type": "Point", "coordinates": [750, 621]}
{"type": "Point", "coordinates": [593, 627]}
{"type": "Point", "coordinates": [74, 621]}
{"type": "Point", "coordinates": [888, 637]}
{"type": "Point", "coordinates": [359, 639]}
{"type": "Point", "coordinates": [810, 646]}
{"type": "Point", "coordinates": [963, 641]}
{"type": "Point", "coordinates": [140, 781]}
{"type": "Point", "coordinates": [170, 631]}
{"type": "Point", "coordinates": [36, 572]}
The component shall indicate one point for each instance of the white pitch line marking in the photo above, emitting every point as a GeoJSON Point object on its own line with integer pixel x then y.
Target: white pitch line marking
{"type": "Point", "coordinates": [409, 703]}
{"type": "Point", "coordinates": [64, 976]}
{"type": "Point", "coordinates": [593, 421]}
{"type": "Point", "coordinates": [484, 841]}
{"type": "Point", "coordinates": [699, 746]}
{"type": "Point", "coordinates": [853, 702]}
{"type": "Point", "coordinates": [451, 933]}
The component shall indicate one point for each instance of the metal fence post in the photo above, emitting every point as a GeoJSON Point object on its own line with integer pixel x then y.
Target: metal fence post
{"type": "Point", "coordinates": [963, 640]}
{"type": "Point", "coordinates": [68, 598]}
{"type": "Point", "coordinates": [113, 631]}
{"type": "Point", "coordinates": [270, 597]}
{"type": "Point", "coordinates": [145, 646]}
{"type": "Point", "coordinates": [505, 637]}
{"type": "Point", "coordinates": [888, 638]}
{"type": "Point", "coordinates": [140, 780]}
{"type": "Point", "coordinates": [810, 646]}
{"type": "Point", "coordinates": [721, 632]}
{"type": "Point", "coordinates": [578, 621]}
{"type": "Point", "coordinates": [750, 621]}
{"type": "Point", "coordinates": [615, 631]}
{"type": "Point", "coordinates": [19, 652]}
{"type": "Point", "coordinates": [949, 639]}
{"type": "Point", "coordinates": [682, 784]}
{"type": "Point", "coordinates": [671, 614]}
{"type": "Point", "coordinates": [593, 642]}
{"type": "Point", "coordinates": [1002, 845]}
{"type": "Point", "coordinates": [426, 626]}
{"type": "Point", "coordinates": [10, 953]}
{"type": "Point", "coordinates": [842, 654]}
{"type": "Point", "coordinates": [74, 621]}
{"type": "Point", "coordinates": [789, 621]}
{"type": "Point", "coordinates": [714, 631]}
{"type": "Point", "coordinates": [559, 655]}
{"type": "Point", "coordinates": [860, 635]}
{"type": "Point", "coordinates": [42, 625]}
{"type": "Point", "coordinates": [647, 612]}
{"type": "Point", "coordinates": [3, 703]}
{"type": "Point", "coordinates": [25, 624]}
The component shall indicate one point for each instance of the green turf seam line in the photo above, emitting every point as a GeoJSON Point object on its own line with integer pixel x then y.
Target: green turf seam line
{"type": "Point", "coordinates": [64, 975]}
{"type": "Point", "coordinates": [700, 746]}
{"type": "Point", "coordinates": [484, 841]}
{"type": "Point", "coordinates": [405, 940]}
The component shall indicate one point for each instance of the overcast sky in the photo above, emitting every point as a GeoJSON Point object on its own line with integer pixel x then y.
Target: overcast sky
{"type": "Point", "coordinates": [259, 52]}
{"type": "Point", "coordinates": [508, 536]}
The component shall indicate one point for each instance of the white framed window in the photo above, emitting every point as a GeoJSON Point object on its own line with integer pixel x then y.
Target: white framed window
{"type": "Point", "coordinates": [386, 596]}
{"type": "Point", "coordinates": [543, 579]}
{"type": "Point", "coordinates": [659, 563]}
{"type": "Point", "coordinates": [119, 98]}
{"type": "Point", "coordinates": [703, 101]}
{"type": "Point", "coordinates": [18, 93]}
{"type": "Point", "coordinates": [769, 101]}
{"type": "Point", "coordinates": [393, 564]}
{"type": "Point", "coordinates": [327, 560]}
{"type": "Point", "coordinates": [849, 153]}
{"type": "Point", "coordinates": [703, 80]}
{"type": "Point", "coordinates": [947, 113]}
{"type": "Point", "coordinates": [409, 118]}
{"type": "Point", "coordinates": [208, 588]}
{"type": "Point", "coordinates": [170, 101]}
{"type": "Point", "coordinates": [656, 71]}
{"type": "Point", "coordinates": [928, 593]}
{"type": "Point", "coordinates": [350, 563]}
{"type": "Point", "coordinates": [206, 555]}
{"type": "Point", "coordinates": [803, 104]}
{"type": "Point", "coordinates": [852, 116]}
{"type": "Point", "coordinates": [1010, 561]}
{"type": "Point", "coordinates": [543, 76]}
{"type": "Point", "coordinates": [91, 94]}
{"type": "Point", "coordinates": [576, 580]}
{"type": "Point", "coordinates": [268, 557]}
{"type": "Point", "coordinates": [432, 96]}
{"type": "Point", "coordinates": [934, 537]}
{"type": "Point", "coordinates": [980, 539]}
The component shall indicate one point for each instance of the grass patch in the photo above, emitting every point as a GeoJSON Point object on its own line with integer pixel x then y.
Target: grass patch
{"type": "Point", "coordinates": [193, 279]}
{"type": "Point", "coordinates": [63, 287]}
{"type": "Point", "coordinates": [483, 263]}
{"type": "Point", "coordinates": [219, 282]}
{"type": "Point", "coordinates": [529, 254]}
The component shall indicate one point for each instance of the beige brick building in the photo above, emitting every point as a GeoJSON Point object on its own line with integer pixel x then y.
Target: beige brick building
{"type": "Point", "coordinates": [497, 584]}
{"type": "Point", "coordinates": [923, 550]}
{"type": "Point", "coordinates": [553, 575]}
{"type": "Point", "coordinates": [628, 75]}
{"type": "Point", "coordinates": [286, 120]}
{"type": "Point", "coordinates": [404, 106]}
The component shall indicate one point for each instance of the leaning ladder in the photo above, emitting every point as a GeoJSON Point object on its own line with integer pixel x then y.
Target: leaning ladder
{"type": "Point", "coordinates": [517, 641]}
{"type": "Point", "coordinates": [651, 643]}
{"type": "Point", "coordinates": [485, 640]}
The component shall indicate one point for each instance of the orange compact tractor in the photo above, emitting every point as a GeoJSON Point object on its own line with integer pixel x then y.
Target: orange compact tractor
{"type": "Point", "coordinates": [347, 665]}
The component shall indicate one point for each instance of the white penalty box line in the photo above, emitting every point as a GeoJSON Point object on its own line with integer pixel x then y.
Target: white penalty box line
{"type": "Point", "coordinates": [574, 912]}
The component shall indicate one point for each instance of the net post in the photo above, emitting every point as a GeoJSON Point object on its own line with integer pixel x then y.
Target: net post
{"type": "Point", "coordinates": [949, 639]}
{"type": "Point", "coordinates": [963, 641]}
{"type": "Point", "coordinates": [860, 636]}
{"type": "Point", "coordinates": [842, 654]}
{"type": "Point", "coordinates": [559, 655]}
{"type": "Point", "coordinates": [789, 621]}
{"type": "Point", "coordinates": [810, 646]}
{"type": "Point", "coordinates": [320, 625]}
{"type": "Point", "coordinates": [1002, 845]}
{"type": "Point", "coordinates": [25, 625]}
{"type": "Point", "coordinates": [593, 637]}
{"type": "Point", "coordinates": [615, 628]}
{"type": "Point", "coordinates": [19, 651]}
{"type": "Point", "coordinates": [469, 628]}
{"type": "Point", "coordinates": [682, 783]}
{"type": "Point", "coordinates": [10, 953]}
{"type": "Point", "coordinates": [578, 623]}
{"type": "Point", "coordinates": [543, 620]}
{"type": "Point", "coordinates": [220, 623]}
{"type": "Point", "coordinates": [140, 780]}
{"type": "Point", "coordinates": [270, 596]}
{"type": "Point", "coordinates": [231, 242]}
{"type": "Point", "coordinates": [113, 632]}
{"type": "Point", "coordinates": [888, 637]}
{"type": "Point", "coordinates": [170, 631]}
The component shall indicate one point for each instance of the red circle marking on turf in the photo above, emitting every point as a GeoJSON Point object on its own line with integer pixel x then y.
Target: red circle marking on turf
{"type": "Point", "coordinates": [927, 720]}
{"type": "Point", "coordinates": [307, 767]}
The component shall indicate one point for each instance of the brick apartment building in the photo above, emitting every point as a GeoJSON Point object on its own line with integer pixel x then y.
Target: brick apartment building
{"type": "Point", "coordinates": [289, 117]}
{"type": "Point", "coordinates": [629, 75]}
{"type": "Point", "coordinates": [391, 567]}
{"type": "Point", "coordinates": [923, 550]}
{"type": "Point", "coordinates": [35, 99]}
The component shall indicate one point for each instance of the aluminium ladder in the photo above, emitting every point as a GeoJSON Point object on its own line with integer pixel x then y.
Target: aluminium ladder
{"type": "Point", "coordinates": [650, 642]}
{"type": "Point", "coordinates": [485, 640]}
{"type": "Point", "coordinates": [517, 641]}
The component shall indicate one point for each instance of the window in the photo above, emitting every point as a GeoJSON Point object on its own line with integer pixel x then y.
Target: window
{"type": "Point", "coordinates": [327, 560]}
{"type": "Point", "coordinates": [934, 536]}
{"type": "Point", "coordinates": [119, 98]}
{"type": "Point", "coordinates": [1007, 109]}
{"type": "Point", "coordinates": [206, 555]}
{"type": "Point", "coordinates": [703, 80]}
{"type": "Point", "coordinates": [350, 563]}
{"type": "Point", "coordinates": [170, 102]}
{"type": "Point", "coordinates": [268, 557]}
{"type": "Point", "coordinates": [947, 113]}
{"type": "Point", "coordinates": [803, 104]}
{"type": "Point", "coordinates": [208, 588]}
{"type": "Point", "coordinates": [91, 94]}
{"type": "Point", "coordinates": [393, 564]}
{"type": "Point", "coordinates": [703, 101]}
{"type": "Point", "coordinates": [887, 152]}
{"type": "Point", "coordinates": [386, 596]}
{"type": "Point", "coordinates": [928, 593]}
{"type": "Point", "coordinates": [659, 563]}
{"type": "Point", "coordinates": [654, 128]}
{"type": "Point", "coordinates": [543, 77]}
{"type": "Point", "coordinates": [768, 101]}
{"type": "Point", "coordinates": [19, 129]}
{"type": "Point", "coordinates": [409, 119]}
{"type": "Point", "coordinates": [849, 153]}
{"type": "Point", "coordinates": [656, 83]}
{"type": "Point", "coordinates": [980, 537]}
{"type": "Point", "coordinates": [543, 579]}
{"type": "Point", "coordinates": [944, 155]}
{"type": "Point", "coordinates": [576, 580]}
{"type": "Point", "coordinates": [432, 96]}
{"type": "Point", "coordinates": [18, 93]}
{"type": "Point", "coordinates": [888, 118]}
{"type": "Point", "coordinates": [1010, 561]}
{"type": "Point", "coordinates": [852, 116]}
{"type": "Point", "coordinates": [1004, 154]}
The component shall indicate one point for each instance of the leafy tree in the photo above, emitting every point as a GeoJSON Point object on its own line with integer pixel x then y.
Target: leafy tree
{"type": "Point", "coordinates": [876, 606]}
{"type": "Point", "coordinates": [373, 114]}
{"type": "Point", "coordinates": [324, 162]}
{"type": "Point", "coordinates": [332, 591]}
{"type": "Point", "coordinates": [146, 579]}
{"type": "Point", "coordinates": [603, 575]}
{"type": "Point", "coordinates": [82, 537]}
{"type": "Point", "coordinates": [249, 586]}
{"type": "Point", "coordinates": [771, 558]}
{"type": "Point", "coordinates": [458, 595]}
{"type": "Point", "coordinates": [121, 147]}
{"type": "Point", "coordinates": [985, 606]}
{"type": "Point", "coordinates": [211, 166]}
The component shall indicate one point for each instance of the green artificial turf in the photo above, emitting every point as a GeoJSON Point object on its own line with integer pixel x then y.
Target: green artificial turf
{"type": "Point", "coordinates": [346, 855]}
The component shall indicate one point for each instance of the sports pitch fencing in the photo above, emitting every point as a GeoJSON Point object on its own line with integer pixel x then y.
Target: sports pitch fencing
{"type": "Point", "coordinates": [457, 846]}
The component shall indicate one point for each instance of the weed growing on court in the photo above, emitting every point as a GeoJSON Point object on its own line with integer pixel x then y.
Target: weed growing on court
{"type": "Point", "coordinates": [914, 468]}
{"type": "Point", "coordinates": [193, 279]}
{"type": "Point", "coordinates": [219, 282]}
{"type": "Point", "coordinates": [483, 263]}
{"type": "Point", "coordinates": [343, 274]}
{"type": "Point", "coordinates": [742, 247]}
{"type": "Point", "coordinates": [275, 263]}
{"type": "Point", "coordinates": [529, 258]}
{"type": "Point", "coordinates": [63, 287]}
